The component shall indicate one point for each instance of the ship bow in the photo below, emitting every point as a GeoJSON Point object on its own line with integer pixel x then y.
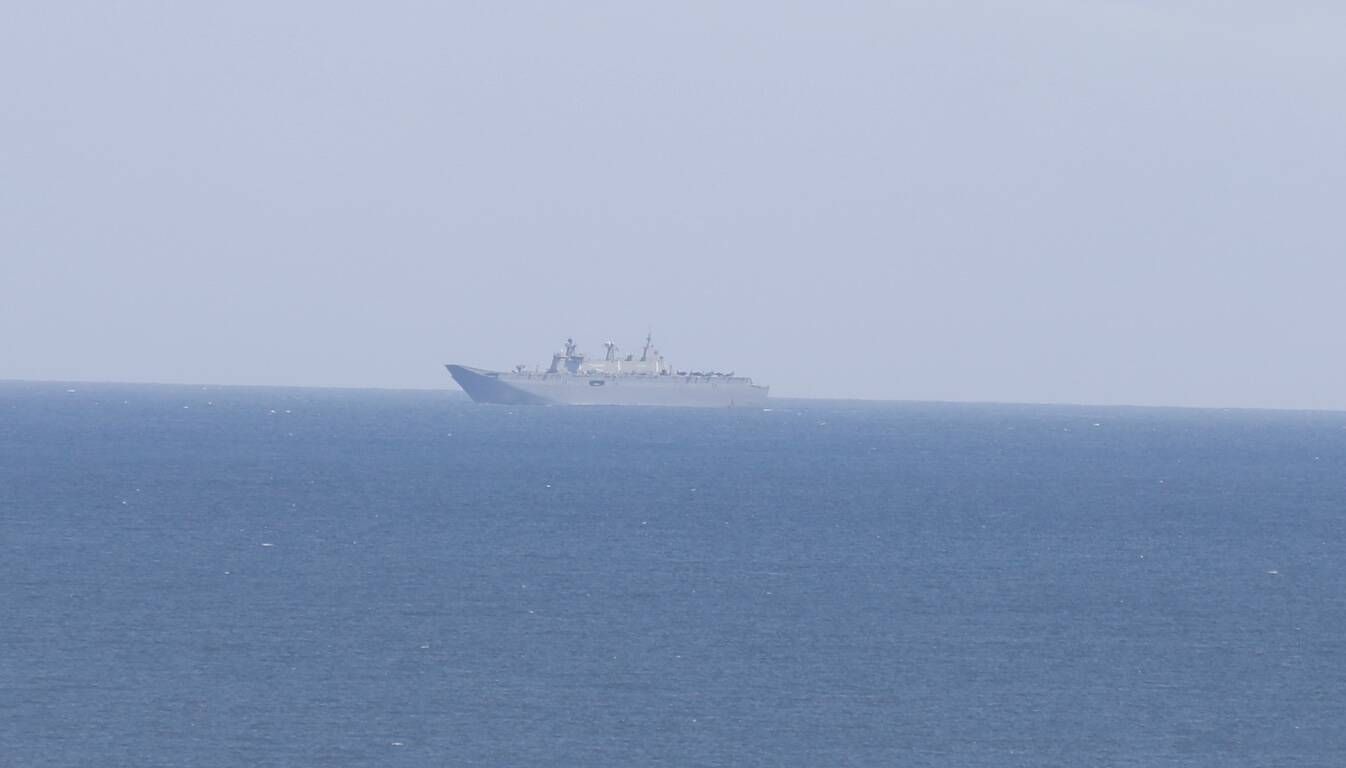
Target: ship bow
{"type": "Point", "coordinates": [486, 387]}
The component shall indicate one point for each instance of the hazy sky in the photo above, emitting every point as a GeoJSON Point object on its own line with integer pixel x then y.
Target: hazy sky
{"type": "Point", "coordinates": [1051, 201]}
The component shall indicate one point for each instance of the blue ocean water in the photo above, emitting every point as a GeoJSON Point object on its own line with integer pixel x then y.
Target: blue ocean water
{"type": "Point", "coordinates": [225, 577]}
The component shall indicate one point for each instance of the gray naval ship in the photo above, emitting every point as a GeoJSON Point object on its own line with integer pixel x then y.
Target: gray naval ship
{"type": "Point", "coordinates": [573, 379]}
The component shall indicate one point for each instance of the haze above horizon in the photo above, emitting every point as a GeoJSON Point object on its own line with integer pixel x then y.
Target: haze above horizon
{"type": "Point", "coordinates": [1121, 202]}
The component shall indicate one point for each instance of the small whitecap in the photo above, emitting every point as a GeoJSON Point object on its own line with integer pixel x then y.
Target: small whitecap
{"type": "Point", "coordinates": [1273, 572]}
{"type": "Point", "coordinates": [398, 744]}
{"type": "Point", "coordinates": [267, 544]}
{"type": "Point", "coordinates": [70, 390]}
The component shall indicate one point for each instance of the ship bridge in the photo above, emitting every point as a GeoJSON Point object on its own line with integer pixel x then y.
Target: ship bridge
{"type": "Point", "coordinates": [570, 360]}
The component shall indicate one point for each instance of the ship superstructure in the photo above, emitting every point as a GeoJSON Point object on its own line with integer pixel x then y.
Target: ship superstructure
{"type": "Point", "coordinates": [574, 379]}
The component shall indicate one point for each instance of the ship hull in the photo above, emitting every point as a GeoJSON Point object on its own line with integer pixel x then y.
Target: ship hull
{"type": "Point", "coordinates": [568, 389]}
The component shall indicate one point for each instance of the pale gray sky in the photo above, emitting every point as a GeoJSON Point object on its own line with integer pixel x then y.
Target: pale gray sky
{"type": "Point", "coordinates": [1055, 201]}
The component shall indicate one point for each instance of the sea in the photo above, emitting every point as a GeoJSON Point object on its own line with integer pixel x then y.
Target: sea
{"type": "Point", "coordinates": [214, 576]}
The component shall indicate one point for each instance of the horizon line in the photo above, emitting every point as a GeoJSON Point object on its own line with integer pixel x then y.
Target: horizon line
{"type": "Point", "coordinates": [458, 393]}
